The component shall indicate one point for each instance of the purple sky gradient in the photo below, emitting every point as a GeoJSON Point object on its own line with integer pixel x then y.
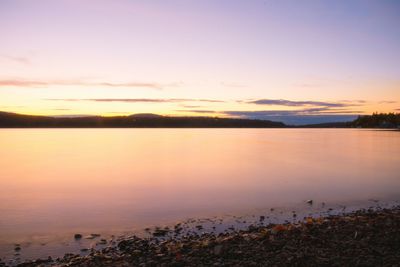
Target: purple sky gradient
{"type": "Point", "coordinates": [233, 51]}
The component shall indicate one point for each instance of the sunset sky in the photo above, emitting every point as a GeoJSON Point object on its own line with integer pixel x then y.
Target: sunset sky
{"type": "Point", "coordinates": [295, 61]}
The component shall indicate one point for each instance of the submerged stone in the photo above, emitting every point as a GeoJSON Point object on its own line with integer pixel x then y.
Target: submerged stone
{"type": "Point", "coordinates": [77, 236]}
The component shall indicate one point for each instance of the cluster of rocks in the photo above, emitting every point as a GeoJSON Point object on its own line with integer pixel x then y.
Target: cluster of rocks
{"type": "Point", "coordinates": [362, 238]}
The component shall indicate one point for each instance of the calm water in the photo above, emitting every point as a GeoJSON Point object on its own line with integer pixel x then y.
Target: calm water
{"type": "Point", "coordinates": [55, 182]}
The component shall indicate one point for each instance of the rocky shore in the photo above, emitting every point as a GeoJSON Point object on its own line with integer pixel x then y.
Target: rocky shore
{"type": "Point", "coordinates": [361, 238]}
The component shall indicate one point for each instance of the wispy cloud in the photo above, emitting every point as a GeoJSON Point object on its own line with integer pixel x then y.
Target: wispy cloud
{"type": "Point", "coordinates": [191, 106]}
{"type": "Point", "coordinates": [265, 113]}
{"type": "Point", "coordinates": [45, 83]}
{"type": "Point", "coordinates": [138, 100]}
{"type": "Point", "coordinates": [202, 111]}
{"type": "Point", "coordinates": [22, 83]}
{"type": "Point", "coordinates": [359, 101]}
{"type": "Point", "coordinates": [387, 102]}
{"type": "Point", "coordinates": [20, 60]}
{"type": "Point", "coordinates": [131, 100]}
{"type": "Point", "coordinates": [290, 103]}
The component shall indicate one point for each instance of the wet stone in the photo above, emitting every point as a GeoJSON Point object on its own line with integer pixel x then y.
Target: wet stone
{"type": "Point", "coordinates": [77, 236]}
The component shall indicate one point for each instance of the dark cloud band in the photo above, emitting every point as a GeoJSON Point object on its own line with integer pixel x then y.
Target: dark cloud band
{"type": "Point", "coordinates": [137, 100]}
{"type": "Point", "coordinates": [290, 103]}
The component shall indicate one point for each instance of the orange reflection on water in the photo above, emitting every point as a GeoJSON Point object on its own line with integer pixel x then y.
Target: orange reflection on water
{"type": "Point", "coordinates": [64, 180]}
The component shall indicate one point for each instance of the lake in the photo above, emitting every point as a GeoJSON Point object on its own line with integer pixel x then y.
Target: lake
{"type": "Point", "coordinates": [57, 182]}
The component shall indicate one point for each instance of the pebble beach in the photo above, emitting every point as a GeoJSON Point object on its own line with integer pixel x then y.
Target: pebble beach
{"type": "Point", "coordinates": [366, 237]}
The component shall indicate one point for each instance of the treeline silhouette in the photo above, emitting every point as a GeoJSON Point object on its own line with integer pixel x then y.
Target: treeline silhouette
{"type": "Point", "coordinates": [378, 120]}
{"type": "Point", "coordinates": [13, 120]}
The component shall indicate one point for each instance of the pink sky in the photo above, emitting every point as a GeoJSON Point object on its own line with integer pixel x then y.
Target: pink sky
{"type": "Point", "coordinates": [223, 58]}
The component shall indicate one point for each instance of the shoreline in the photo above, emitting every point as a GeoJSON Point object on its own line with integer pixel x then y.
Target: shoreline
{"type": "Point", "coordinates": [367, 237]}
{"type": "Point", "coordinates": [57, 244]}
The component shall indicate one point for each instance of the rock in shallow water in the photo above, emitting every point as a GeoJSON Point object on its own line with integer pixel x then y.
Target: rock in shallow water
{"type": "Point", "coordinates": [77, 236]}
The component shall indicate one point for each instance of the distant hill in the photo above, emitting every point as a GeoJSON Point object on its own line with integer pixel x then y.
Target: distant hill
{"type": "Point", "coordinates": [12, 120]}
{"type": "Point", "coordinates": [327, 125]}
{"type": "Point", "coordinates": [145, 115]}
